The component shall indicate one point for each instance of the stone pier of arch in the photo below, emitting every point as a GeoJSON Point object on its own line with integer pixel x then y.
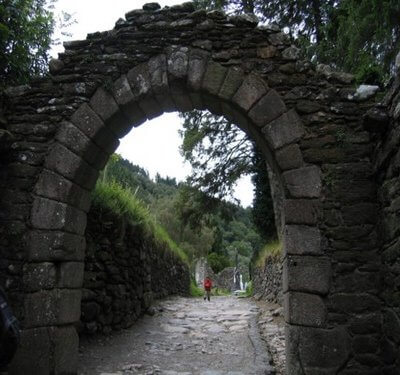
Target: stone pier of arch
{"type": "Point", "coordinates": [309, 123]}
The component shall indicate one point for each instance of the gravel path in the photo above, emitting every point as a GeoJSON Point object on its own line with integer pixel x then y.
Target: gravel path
{"type": "Point", "coordinates": [186, 336]}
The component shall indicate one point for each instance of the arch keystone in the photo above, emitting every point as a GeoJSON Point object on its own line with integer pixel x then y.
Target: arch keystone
{"type": "Point", "coordinates": [197, 66]}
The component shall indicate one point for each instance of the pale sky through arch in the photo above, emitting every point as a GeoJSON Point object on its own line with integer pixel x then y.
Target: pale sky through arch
{"type": "Point", "coordinates": [153, 145]}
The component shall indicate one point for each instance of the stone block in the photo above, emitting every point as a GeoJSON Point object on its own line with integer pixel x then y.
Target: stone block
{"type": "Point", "coordinates": [93, 126]}
{"type": "Point", "coordinates": [307, 274]}
{"type": "Point", "coordinates": [66, 345]}
{"type": "Point", "coordinates": [284, 130]}
{"type": "Point", "coordinates": [318, 350]}
{"type": "Point", "coordinates": [37, 276]}
{"type": "Point", "coordinates": [150, 107]}
{"type": "Point", "coordinates": [74, 139]}
{"type": "Point", "coordinates": [303, 182]}
{"type": "Point", "coordinates": [252, 89]}
{"type": "Point", "coordinates": [103, 103]}
{"type": "Point", "coordinates": [302, 240]}
{"type": "Point", "coordinates": [302, 211]}
{"type": "Point", "coordinates": [304, 309]}
{"type": "Point", "coordinates": [357, 303]}
{"type": "Point", "coordinates": [34, 353]}
{"type": "Point", "coordinates": [267, 109]}
{"type": "Point", "coordinates": [55, 246]}
{"type": "Point", "coordinates": [289, 157]}
{"type": "Point", "coordinates": [127, 102]}
{"type": "Point", "coordinates": [233, 80]}
{"type": "Point", "coordinates": [52, 307]}
{"type": "Point", "coordinates": [214, 77]}
{"type": "Point", "coordinates": [70, 275]}
{"type": "Point", "coordinates": [178, 63]}
{"type": "Point", "coordinates": [182, 102]}
{"type": "Point", "coordinates": [55, 187]}
{"type": "Point", "coordinates": [52, 215]}
{"type": "Point", "coordinates": [64, 162]}
{"type": "Point", "coordinates": [158, 74]}
{"type": "Point", "coordinates": [140, 82]}
{"type": "Point", "coordinates": [197, 66]}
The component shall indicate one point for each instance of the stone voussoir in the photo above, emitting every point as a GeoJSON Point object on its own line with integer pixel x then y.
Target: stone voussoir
{"type": "Point", "coordinates": [251, 90]}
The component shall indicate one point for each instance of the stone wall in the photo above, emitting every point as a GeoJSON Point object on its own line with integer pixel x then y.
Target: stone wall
{"type": "Point", "coordinates": [384, 122]}
{"type": "Point", "coordinates": [125, 269]}
{"type": "Point", "coordinates": [306, 120]}
{"type": "Point", "coordinates": [267, 280]}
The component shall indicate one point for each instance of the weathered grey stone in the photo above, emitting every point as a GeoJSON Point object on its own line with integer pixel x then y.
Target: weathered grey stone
{"type": "Point", "coordinates": [304, 182]}
{"type": "Point", "coordinates": [70, 275]}
{"type": "Point", "coordinates": [291, 53]}
{"type": "Point", "coordinates": [214, 77]}
{"type": "Point", "coordinates": [34, 352]}
{"type": "Point", "coordinates": [158, 74]}
{"type": "Point", "coordinates": [140, 82]}
{"type": "Point", "coordinates": [304, 309]}
{"type": "Point", "coordinates": [318, 350]}
{"type": "Point", "coordinates": [244, 19]}
{"type": "Point", "coordinates": [128, 103]}
{"type": "Point", "coordinates": [49, 214]}
{"type": "Point", "coordinates": [55, 66]}
{"type": "Point", "coordinates": [302, 240]}
{"type": "Point", "coordinates": [103, 103]}
{"type": "Point", "coordinates": [66, 163]}
{"type": "Point", "coordinates": [251, 90]}
{"type": "Point", "coordinates": [53, 186]}
{"type": "Point", "coordinates": [284, 130]}
{"type": "Point", "coordinates": [233, 80]}
{"type": "Point", "coordinates": [266, 52]}
{"type": "Point", "coordinates": [92, 125]}
{"type": "Point", "coordinates": [151, 7]}
{"type": "Point", "coordinates": [178, 62]}
{"type": "Point", "coordinates": [307, 274]}
{"type": "Point", "coordinates": [70, 136]}
{"type": "Point", "coordinates": [302, 211]}
{"type": "Point", "coordinates": [55, 246]}
{"type": "Point", "coordinates": [39, 276]}
{"type": "Point", "coordinates": [268, 108]}
{"type": "Point", "coordinates": [66, 343]}
{"type": "Point", "coordinates": [289, 157]}
{"type": "Point", "coordinates": [198, 61]}
{"type": "Point", "coordinates": [52, 307]}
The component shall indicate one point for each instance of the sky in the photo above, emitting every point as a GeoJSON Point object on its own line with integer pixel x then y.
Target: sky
{"type": "Point", "coordinates": [155, 144]}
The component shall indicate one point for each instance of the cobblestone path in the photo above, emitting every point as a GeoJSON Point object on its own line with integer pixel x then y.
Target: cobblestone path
{"type": "Point", "coordinates": [186, 336]}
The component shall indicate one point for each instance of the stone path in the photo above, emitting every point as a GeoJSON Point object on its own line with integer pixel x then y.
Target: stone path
{"type": "Point", "coordinates": [186, 336]}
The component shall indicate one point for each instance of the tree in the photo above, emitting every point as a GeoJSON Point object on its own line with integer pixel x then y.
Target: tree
{"type": "Point", "coordinates": [26, 27]}
{"type": "Point", "coordinates": [218, 151]}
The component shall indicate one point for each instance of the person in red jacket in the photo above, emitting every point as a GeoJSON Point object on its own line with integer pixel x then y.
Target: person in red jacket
{"type": "Point", "coordinates": [207, 288]}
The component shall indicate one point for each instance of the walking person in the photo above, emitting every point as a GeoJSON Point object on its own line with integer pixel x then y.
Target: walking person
{"type": "Point", "coordinates": [207, 288]}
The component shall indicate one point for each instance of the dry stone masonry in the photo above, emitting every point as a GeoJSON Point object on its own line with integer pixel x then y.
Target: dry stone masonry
{"type": "Point", "coordinates": [340, 267]}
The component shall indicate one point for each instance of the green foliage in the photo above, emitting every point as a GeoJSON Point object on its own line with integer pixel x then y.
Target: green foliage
{"type": "Point", "coordinates": [122, 203]}
{"type": "Point", "coordinates": [195, 291]}
{"type": "Point", "coordinates": [196, 223]}
{"type": "Point", "coordinates": [272, 249]}
{"type": "Point", "coordinates": [26, 27]}
{"type": "Point", "coordinates": [249, 289]}
{"type": "Point", "coordinates": [218, 262]}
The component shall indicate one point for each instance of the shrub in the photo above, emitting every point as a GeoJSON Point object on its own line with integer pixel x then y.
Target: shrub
{"type": "Point", "coordinates": [218, 262]}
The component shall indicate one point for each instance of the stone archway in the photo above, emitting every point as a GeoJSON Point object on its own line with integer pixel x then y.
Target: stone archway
{"type": "Point", "coordinates": [305, 122]}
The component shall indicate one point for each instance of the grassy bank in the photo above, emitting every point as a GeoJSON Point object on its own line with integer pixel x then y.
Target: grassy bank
{"type": "Point", "coordinates": [123, 203]}
{"type": "Point", "coordinates": [272, 249]}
